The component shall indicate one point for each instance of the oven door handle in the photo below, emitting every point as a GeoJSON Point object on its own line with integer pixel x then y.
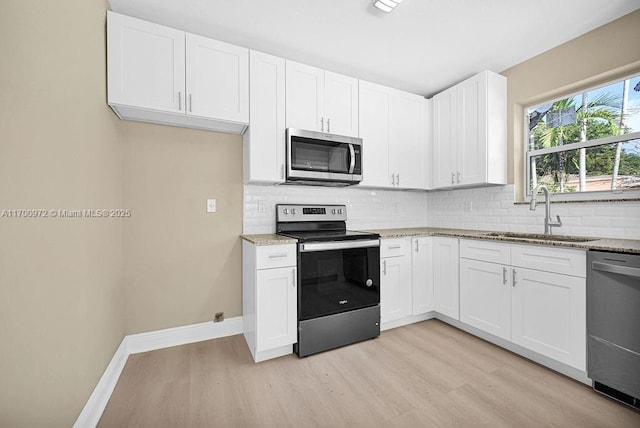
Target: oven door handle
{"type": "Point", "coordinates": [341, 245]}
{"type": "Point", "coordinates": [352, 156]}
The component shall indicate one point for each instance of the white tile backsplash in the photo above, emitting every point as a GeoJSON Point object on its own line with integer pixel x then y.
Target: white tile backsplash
{"type": "Point", "coordinates": [600, 219]}
{"type": "Point", "coordinates": [366, 208]}
{"type": "Point", "coordinates": [492, 208]}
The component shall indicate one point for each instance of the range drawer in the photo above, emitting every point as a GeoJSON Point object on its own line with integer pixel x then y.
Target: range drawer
{"type": "Point", "coordinates": [550, 259]}
{"type": "Point", "coordinates": [275, 256]}
{"type": "Point", "coordinates": [487, 251]}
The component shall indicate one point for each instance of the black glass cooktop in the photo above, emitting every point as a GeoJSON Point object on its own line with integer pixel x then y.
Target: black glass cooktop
{"type": "Point", "coordinates": [330, 235]}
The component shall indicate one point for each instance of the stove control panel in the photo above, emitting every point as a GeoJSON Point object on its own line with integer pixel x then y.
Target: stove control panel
{"type": "Point", "coordinates": [291, 213]}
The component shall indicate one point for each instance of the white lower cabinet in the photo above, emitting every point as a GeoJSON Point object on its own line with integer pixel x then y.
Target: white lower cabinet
{"type": "Point", "coordinates": [422, 275]}
{"type": "Point", "coordinates": [395, 279]}
{"type": "Point", "coordinates": [269, 299]}
{"type": "Point", "coordinates": [523, 293]}
{"type": "Point", "coordinates": [445, 276]}
{"type": "Point", "coordinates": [485, 296]}
{"type": "Point", "coordinates": [549, 315]}
{"type": "Point", "coordinates": [485, 286]}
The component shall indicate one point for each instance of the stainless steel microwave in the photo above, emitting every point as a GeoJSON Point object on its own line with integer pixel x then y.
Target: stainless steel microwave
{"type": "Point", "coordinates": [323, 159]}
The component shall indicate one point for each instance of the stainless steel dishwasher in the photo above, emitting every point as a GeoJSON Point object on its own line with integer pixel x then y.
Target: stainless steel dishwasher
{"type": "Point", "coordinates": [613, 325]}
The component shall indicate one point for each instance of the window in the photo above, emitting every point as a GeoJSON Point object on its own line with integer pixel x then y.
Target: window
{"type": "Point", "coordinates": [587, 142]}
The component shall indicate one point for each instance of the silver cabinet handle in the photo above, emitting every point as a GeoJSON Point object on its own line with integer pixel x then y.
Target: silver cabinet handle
{"type": "Point", "coordinates": [393, 179]}
{"type": "Point", "coordinates": [398, 178]}
{"type": "Point", "coordinates": [180, 101]}
{"type": "Point", "coordinates": [190, 104]}
{"type": "Point", "coordinates": [282, 171]}
{"type": "Point", "coordinates": [458, 174]}
{"type": "Point", "coordinates": [515, 281]}
{"type": "Point", "coordinates": [504, 275]}
{"type": "Point", "coordinates": [384, 267]}
{"type": "Point", "coordinates": [393, 247]}
{"type": "Point", "coordinates": [417, 246]}
{"type": "Point", "coordinates": [322, 124]}
{"type": "Point", "coordinates": [278, 256]}
{"type": "Point", "coordinates": [329, 125]}
{"type": "Point", "coordinates": [293, 277]}
{"type": "Point", "coordinates": [453, 178]}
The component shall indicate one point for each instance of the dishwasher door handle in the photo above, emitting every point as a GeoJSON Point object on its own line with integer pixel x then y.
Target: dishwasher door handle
{"type": "Point", "coordinates": [620, 270]}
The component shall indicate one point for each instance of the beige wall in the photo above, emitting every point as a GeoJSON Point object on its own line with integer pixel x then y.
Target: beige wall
{"type": "Point", "coordinates": [606, 53]}
{"type": "Point", "coordinates": [61, 299]}
{"type": "Point", "coordinates": [182, 264]}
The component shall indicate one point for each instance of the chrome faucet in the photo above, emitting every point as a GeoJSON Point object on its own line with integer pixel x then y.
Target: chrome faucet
{"type": "Point", "coordinates": [548, 223]}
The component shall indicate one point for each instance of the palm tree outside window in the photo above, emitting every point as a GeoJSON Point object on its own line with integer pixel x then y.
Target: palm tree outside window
{"type": "Point", "coordinates": [586, 142]}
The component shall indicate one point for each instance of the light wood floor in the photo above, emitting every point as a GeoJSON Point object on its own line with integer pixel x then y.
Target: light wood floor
{"type": "Point", "coordinates": [425, 374]}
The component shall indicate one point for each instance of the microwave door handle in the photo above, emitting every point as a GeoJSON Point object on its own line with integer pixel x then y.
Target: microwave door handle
{"type": "Point", "coordinates": [352, 156]}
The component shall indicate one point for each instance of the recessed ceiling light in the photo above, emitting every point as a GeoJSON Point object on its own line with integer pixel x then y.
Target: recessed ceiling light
{"type": "Point", "coordinates": [386, 5]}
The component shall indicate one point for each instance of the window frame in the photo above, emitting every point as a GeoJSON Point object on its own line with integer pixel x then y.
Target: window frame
{"type": "Point", "coordinates": [576, 196]}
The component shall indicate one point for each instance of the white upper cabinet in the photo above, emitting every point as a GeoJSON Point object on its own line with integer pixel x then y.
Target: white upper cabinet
{"type": "Point", "coordinates": [470, 133]}
{"type": "Point", "coordinates": [374, 131]}
{"type": "Point", "coordinates": [444, 139]}
{"type": "Point", "coordinates": [392, 128]}
{"type": "Point", "coordinates": [162, 75]}
{"type": "Point", "coordinates": [217, 76]}
{"type": "Point", "coordinates": [321, 101]}
{"type": "Point", "coordinates": [264, 141]}
{"type": "Point", "coordinates": [146, 64]}
{"type": "Point", "coordinates": [406, 140]}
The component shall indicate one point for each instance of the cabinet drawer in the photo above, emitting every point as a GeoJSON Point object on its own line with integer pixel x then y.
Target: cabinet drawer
{"type": "Point", "coordinates": [487, 251]}
{"type": "Point", "coordinates": [395, 247]}
{"type": "Point", "coordinates": [274, 256]}
{"type": "Point", "coordinates": [550, 259]}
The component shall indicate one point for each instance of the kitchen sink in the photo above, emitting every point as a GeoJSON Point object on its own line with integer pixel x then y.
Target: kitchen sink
{"type": "Point", "coordinates": [540, 236]}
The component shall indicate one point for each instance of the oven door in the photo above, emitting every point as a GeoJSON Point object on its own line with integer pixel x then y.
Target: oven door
{"type": "Point", "coordinates": [336, 277]}
{"type": "Point", "coordinates": [314, 156]}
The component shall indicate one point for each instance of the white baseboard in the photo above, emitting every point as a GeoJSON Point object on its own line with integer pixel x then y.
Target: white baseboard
{"type": "Point", "coordinates": [411, 319]}
{"type": "Point", "coordinates": [143, 342]}
{"type": "Point", "coordinates": [176, 336]}
{"type": "Point", "coordinates": [92, 411]}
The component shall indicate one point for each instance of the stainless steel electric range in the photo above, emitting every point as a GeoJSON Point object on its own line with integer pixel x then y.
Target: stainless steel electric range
{"type": "Point", "coordinates": [338, 277]}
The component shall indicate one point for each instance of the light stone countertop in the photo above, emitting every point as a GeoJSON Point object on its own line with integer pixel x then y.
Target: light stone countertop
{"type": "Point", "coordinates": [630, 246]}
{"type": "Point", "coordinates": [269, 239]}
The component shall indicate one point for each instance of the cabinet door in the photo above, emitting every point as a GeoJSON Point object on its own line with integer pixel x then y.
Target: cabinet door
{"type": "Point", "coordinates": [341, 104]}
{"type": "Point", "coordinates": [406, 141]}
{"type": "Point", "coordinates": [422, 275]}
{"type": "Point", "coordinates": [444, 139]}
{"type": "Point", "coordinates": [305, 97]}
{"type": "Point", "coordinates": [472, 130]}
{"type": "Point", "coordinates": [264, 141]}
{"type": "Point", "coordinates": [276, 308]}
{"type": "Point", "coordinates": [395, 288]}
{"type": "Point", "coordinates": [145, 64]}
{"type": "Point", "coordinates": [374, 131]}
{"type": "Point", "coordinates": [445, 276]}
{"type": "Point", "coordinates": [485, 296]}
{"type": "Point", "coordinates": [217, 79]}
{"type": "Point", "coordinates": [549, 315]}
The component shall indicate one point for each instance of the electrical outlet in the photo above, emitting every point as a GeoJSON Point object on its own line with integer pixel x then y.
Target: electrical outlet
{"type": "Point", "coordinates": [261, 207]}
{"type": "Point", "coordinates": [219, 317]}
{"type": "Point", "coordinates": [468, 206]}
{"type": "Point", "coordinates": [211, 205]}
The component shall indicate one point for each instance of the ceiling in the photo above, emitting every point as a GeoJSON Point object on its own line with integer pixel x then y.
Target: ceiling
{"type": "Point", "coordinates": [423, 46]}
